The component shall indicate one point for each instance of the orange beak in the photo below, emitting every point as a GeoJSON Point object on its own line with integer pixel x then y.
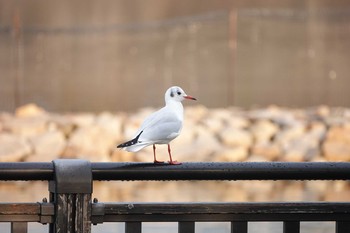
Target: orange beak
{"type": "Point", "coordinates": [190, 97]}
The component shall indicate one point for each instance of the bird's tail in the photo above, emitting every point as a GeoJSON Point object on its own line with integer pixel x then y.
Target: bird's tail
{"type": "Point", "coordinates": [137, 147]}
{"type": "Point", "coordinates": [131, 142]}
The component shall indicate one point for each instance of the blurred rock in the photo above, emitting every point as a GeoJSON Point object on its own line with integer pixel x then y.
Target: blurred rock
{"type": "Point", "coordinates": [222, 134]}
{"type": "Point", "coordinates": [336, 151]}
{"type": "Point", "coordinates": [287, 134]}
{"type": "Point", "coordinates": [111, 124]}
{"type": "Point", "coordinates": [280, 116]}
{"type": "Point", "coordinates": [267, 150]}
{"type": "Point", "coordinates": [238, 122]}
{"type": "Point", "coordinates": [213, 124]}
{"type": "Point", "coordinates": [337, 144]}
{"type": "Point", "coordinates": [323, 111]}
{"type": "Point", "coordinates": [338, 192]}
{"type": "Point", "coordinates": [133, 122]}
{"type": "Point", "coordinates": [256, 158]}
{"type": "Point", "coordinates": [222, 114]}
{"type": "Point", "coordinates": [301, 143]}
{"type": "Point", "coordinates": [235, 154]}
{"type": "Point", "coordinates": [268, 113]}
{"type": "Point", "coordinates": [196, 113]}
{"type": "Point", "coordinates": [81, 119]}
{"type": "Point", "coordinates": [188, 134]}
{"type": "Point", "coordinates": [92, 143]}
{"type": "Point", "coordinates": [201, 149]}
{"type": "Point", "coordinates": [146, 155]}
{"type": "Point", "coordinates": [236, 137]}
{"type": "Point", "coordinates": [318, 186]}
{"type": "Point", "coordinates": [294, 155]}
{"type": "Point", "coordinates": [266, 189]}
{"type": "Point", "coordinates": [26, 126]}
{"type": "Point", "coordinates": [337, 117]}
{"type": "Point", "coordinates": [318, 159]}
{"type": "Point", "coordinates": [62, 123]}
{"type": "Point", "coordinates": [119, 155]}
{"type": "Point", "coordinates": [263, 130]}
{"type": "Point", "coordinates": [301, 149]}
{"type": "Point", "coordinates": [47, 146]}
{"type": "Point", "coordinates": [233, 193]}
{"type": "Point", "coordinates": [317, 131]}
{"type": "Point", "coordinates": [339, 133]}
{"type": "Point", "coordinates": [30, 110]}
{"type": "Point", "coordinates": [13, 148]}
{"type": "Point", "coordinates": [293, 191]}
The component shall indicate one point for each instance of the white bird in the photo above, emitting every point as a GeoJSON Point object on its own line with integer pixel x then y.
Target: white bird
{"type": "Point", "coordinates": [162, 126]}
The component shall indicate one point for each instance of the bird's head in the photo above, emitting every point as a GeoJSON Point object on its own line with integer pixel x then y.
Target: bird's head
{"type": "Point", "coordinates": [176, 93]}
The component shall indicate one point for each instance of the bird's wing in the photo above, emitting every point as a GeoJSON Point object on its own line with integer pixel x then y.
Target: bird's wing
{"type": "Point", "coordinates": [160, 125]}
{"type": "Point", "coordinates": [163, 132]}
{"type": "Point", "coordinates": [152, 119]}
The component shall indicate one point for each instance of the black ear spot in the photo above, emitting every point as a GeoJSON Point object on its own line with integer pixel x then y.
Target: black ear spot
{"type": "Point", "coordinates": [171, 94]}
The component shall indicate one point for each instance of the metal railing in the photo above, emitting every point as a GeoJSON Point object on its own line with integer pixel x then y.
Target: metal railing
{"type": "Point", "coordinates": [70, 208]}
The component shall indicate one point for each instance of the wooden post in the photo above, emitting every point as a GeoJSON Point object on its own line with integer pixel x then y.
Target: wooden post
{"type": "Point", "coordinates": [70, 191]}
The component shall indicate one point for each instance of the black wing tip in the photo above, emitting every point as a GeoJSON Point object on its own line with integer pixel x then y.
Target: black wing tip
{"type": "Point", "coordinates": [131, 142]}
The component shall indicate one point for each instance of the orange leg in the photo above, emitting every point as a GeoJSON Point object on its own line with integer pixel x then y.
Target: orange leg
{"type": "Point", "coordinates": [154, 155]}
{"type": "Point", "coordinates": [171, 159]}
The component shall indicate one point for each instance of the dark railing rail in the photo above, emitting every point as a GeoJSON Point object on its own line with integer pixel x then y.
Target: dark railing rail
{"type": "Point", "coordinates": [70, 208]}
{"type": "Point", "coordinates": [188, 171]}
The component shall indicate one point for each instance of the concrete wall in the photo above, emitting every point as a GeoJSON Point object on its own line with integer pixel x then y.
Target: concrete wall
{"type": "Point", "coordinates": [121, 55]}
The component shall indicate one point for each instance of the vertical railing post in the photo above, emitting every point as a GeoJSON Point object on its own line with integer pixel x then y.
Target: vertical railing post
{"type": "Point", "coordinates": [186, 227]}
{"type": "Point", "coordinates": [342, 227]}
{"type": "Point", "coordinates": [291, 227]}
{"type": "Point", "coordinates": [19, 227]}
{"type": "Point", "coordinates": [239, 227]}
{"type": "Point", "coordinates": [70, 192]}
{"type": "Point", "coordinates": [133, 227]}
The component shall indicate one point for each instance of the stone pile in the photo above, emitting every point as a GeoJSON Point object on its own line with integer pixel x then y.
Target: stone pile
{"type": "Point", "coordinates": [222, 135]}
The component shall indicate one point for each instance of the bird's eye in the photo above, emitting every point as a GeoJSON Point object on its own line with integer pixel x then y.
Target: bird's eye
{"type": "Point", "coordinates": [179, 93]}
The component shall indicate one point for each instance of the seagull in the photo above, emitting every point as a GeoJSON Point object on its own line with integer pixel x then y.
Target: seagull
{"type": "Point", "coordinates": [162, 126]}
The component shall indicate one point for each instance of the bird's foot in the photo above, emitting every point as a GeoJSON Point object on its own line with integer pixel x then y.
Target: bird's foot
{"type": "Point", "coordinates": [174, 162]}
{"type": "Point", "coordinates": [157, 162]}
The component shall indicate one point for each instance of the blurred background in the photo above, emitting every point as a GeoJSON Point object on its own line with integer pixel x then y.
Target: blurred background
{"type": "Point", "coordinates": [119, 55]}
{"type": "Point", "coordinates": [271, 79]}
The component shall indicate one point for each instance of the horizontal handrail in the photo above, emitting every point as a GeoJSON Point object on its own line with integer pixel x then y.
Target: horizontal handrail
{"type": "Point", "coordinates": [188, 171]}
{"type": "Point", "coordinates": [226, 211]}
{"type": "Point", "coordinates": [26, 171]}
{"type": "Point", "coordinates": [27, 212]}
{"type": "Point", "coordinates": [193, 211]}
